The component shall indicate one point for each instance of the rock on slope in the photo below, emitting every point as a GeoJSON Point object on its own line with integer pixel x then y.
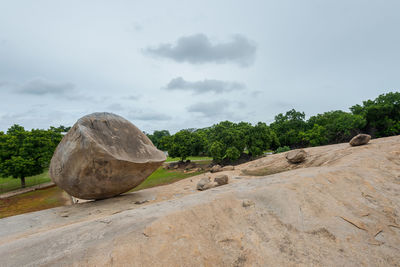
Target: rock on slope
{"type": "Point", "coordinates": [338, 208]}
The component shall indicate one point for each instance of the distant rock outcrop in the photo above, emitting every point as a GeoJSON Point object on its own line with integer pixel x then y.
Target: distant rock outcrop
{"type": "Point", "coordinates": [216, 168]}
{"type": "Point", "coordinates": [296, 156]}
{"type": "Point", "coordinates": [103, 155]}
{"type": "Point", "coordinates": [360, 139]}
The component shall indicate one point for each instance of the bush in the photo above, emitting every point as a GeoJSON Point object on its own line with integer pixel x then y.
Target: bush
{"type": "Point", "coordinates": [282, 149]}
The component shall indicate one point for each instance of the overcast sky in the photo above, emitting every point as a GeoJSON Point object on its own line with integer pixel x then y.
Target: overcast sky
{"type": "Point", "coordinates": [190, 64]}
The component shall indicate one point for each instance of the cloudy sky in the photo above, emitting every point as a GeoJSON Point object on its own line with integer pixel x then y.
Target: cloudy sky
{"type": "Point", "coordinates": [189, 64]}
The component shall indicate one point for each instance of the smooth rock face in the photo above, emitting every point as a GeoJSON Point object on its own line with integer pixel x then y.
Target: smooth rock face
{"type": "Point", "coordinates": [360, 139]}
{"type": "Point", "coordinates": [228, 168]}
{"type": "Point", "coordinates": [296, 156]}
{"type": "Point", "coordinates": [103, 155]}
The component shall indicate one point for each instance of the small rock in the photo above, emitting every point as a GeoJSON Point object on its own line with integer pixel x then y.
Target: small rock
{"type": "Point", "coordinates": [216, 168]}
{"type": "Point", "coordinates": [296, 156]}
{"type": "Point", "coordinates": [360, 139]}
{"type": "Point", "coordinates": [247, 203]}
{"type": "Point", "coordinates": [205, 184]}
{"type": "Point", "coordinates": [221, 179]}
{"type": "Point", "coordinates": [228, 168]}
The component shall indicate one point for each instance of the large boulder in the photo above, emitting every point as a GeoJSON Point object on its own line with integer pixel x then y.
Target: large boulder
{"type": "Point", "coordinates": [296, 156]}
{"type": "Point", "coordinates": [360, 139]}
{"type": "Point", "coordinates": [103, 155]}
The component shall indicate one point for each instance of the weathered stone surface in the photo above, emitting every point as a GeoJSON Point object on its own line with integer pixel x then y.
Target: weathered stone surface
{"type": "Point", "coordinates": [103, 155]}
{"type": "Point", "coordinates": [339, 208]}
{"type": "Point", "coordinates": [216, 168]}
{"type": "Point", "coordinates": [296, 156]}
{"type": "Point", "coordinates": [228, 168]}
{"type": "Point", "coordinates": [204, 184]}
{"type": "Point", "coordinates": [221, 179]}
{"type": "Point", "coordinates": [360, 139]}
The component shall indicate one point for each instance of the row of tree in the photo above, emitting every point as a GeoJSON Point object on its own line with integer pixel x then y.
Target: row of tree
{"type": "Point", "coordinates": [229, 141]}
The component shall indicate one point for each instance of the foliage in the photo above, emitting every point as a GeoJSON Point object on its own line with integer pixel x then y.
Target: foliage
{"type": "Point", "coordinates": [282, 149]}
{"type": "Point", "coordinates": [157, 136]}
{"type": "Point", "coordinates": [315, 136]}
{"type": "Point", "coordinates": [185, 143]}
{"type": "Point", "coordinates": [382, 114]}
{"type": "Point", "coordinates": [288, 126]}
{"type": "Point", "coordinates": [232, 153]}
{"type": "Point", "coordinates": [26, 153]}
{"type": "Point", "coordinates": [338, 126]}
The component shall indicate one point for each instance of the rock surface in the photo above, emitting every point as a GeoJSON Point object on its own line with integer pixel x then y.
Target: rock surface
{"type": "Point", "coordinates": [339, 208]}
{"type": "Point", "coordinates": [103, 155]}
{"type": "Point", "coordinates": [228, 168]}
{"type": "Point", "coordinates": [221, 179]}
{"type": "Point", "coordinates": [216, 168]}
{"type": "Point", "coordinates": [360, 139]}
{"type": "Point", "coordinates": [204, 184]}
{"type": "Point", "coordinates": [296, 156]}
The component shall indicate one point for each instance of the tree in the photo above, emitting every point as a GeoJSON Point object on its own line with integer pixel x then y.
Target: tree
{"type": "Point", "coordinates": [26, 153]}
{"type": "Point", "coordinates": [382, 114]}
{"type": "Point", "coordinates": [338, 126]}
{"type": "Point", "coordinates": [260, 138]}
{"type": "Point", "coordinates": [185, 143]}
{"type": "Point", "coordinates": [288, 126]}
{"type": "Point", "coordinates": [315, 136]}
{"type": "Point", "coordinates": [157, 136]}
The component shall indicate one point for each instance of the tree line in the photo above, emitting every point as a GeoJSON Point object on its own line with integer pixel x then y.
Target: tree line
{"type": "Point", "coordinates": [228, 141]}
{"type": "Point", "coordinates": [25, 153]}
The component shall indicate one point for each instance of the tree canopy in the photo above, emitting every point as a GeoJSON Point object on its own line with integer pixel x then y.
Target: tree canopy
{"type": "Point", "coordinates": [26, 153]}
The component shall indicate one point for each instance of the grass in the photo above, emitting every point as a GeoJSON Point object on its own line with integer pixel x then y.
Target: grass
{"type": "Point", "coordinates": [161, 177]}
{"type": "Point", "coordinates": [191, 158]}
{"type": "Point", "coordinates": [32, 201]}
{"type": "Point", "coordinates": [10, 184]}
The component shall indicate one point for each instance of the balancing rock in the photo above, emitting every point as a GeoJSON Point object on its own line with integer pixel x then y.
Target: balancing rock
{"type": "Point", "coordinates": [103, 155]}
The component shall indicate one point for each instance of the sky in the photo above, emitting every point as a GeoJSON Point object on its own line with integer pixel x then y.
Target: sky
{"type": "Point", "coordinates": [190, 64]}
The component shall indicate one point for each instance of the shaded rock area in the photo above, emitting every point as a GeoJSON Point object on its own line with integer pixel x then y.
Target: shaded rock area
{"type": "Point", "coordinates": [296, 156]}
{"type": "Point", "coordinates": [360, 139]}
{"type": "Point", "coordinates": [340, 207]}
{"type": "Point", "coordinates": [103, 155]}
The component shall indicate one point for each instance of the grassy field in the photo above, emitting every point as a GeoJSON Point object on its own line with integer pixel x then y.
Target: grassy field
{"type": "Point", "coordinates": [169, 159]}
{"type": "Point", "coordinates": [33, 201]}
{"type": "Point", "coordinates": [55, 196]}
{"type": "Point", "coordinates": [161, 177]}
{"type": "Point", "coordinates": [10, 184]}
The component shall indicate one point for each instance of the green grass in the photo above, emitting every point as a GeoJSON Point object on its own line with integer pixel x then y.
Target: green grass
{"type": "Point", "coordinates": [10, 184]}
{"type": "Point", "coordinates": [33, 201]}
{"type": "Point", "coordinates": [191, 158]}
{"type": "Point", "coordinates": [161, 177]}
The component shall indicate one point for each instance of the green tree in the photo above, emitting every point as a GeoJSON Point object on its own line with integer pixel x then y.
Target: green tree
{"type": "Point", "coordinates": [260, 138]}
{"type": "Point", "coordinates": [217, 151]}
{"type": "Point", "coordinates": [184, 143]}
{"type": "Point", "coordinates": [288, 126]}
{"type": "Point", "coordinates": [232, 153]}
{"type": "Point", "coordinates": [338, 126]}
{"type": "Point", "coordinates": [26, 153]}
{"type": "Point", "coordinates": [382, 114]}
{"type": "Point", "coordinates": [157, 136]}
{"type": "Point", "coordinates": [315, 136]}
